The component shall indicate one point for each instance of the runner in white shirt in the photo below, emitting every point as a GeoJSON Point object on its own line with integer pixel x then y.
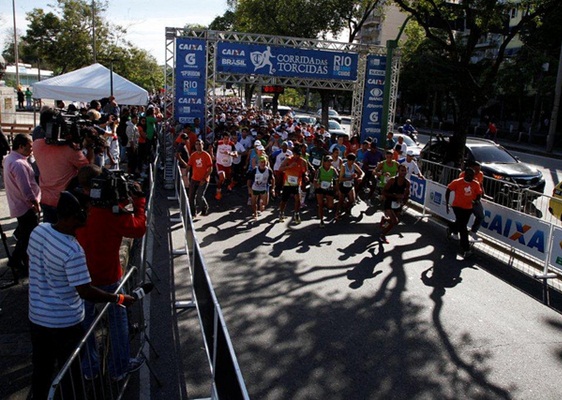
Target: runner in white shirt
{"type": "Point", "coordinates": [260, 183]}
{"type": "Point", "coordinates": [225, 154]}
{"type": "Point", "coordinates": [411, 166]}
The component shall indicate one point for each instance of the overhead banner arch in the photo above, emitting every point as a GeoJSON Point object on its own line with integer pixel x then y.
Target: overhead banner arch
{"type": "Point", "coordinates": [196, 59]}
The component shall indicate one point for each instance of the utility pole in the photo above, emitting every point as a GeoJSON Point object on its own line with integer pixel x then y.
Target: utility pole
{"type": "Point", "coordinates": [554, 116]}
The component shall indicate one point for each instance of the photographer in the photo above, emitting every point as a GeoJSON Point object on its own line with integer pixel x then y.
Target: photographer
{"type": "Point", "coordinates": [58, 281]}
{"type": "Point", "coordinates": [60, 159]}
{"type": "Point", "coordinates": [101, 238]}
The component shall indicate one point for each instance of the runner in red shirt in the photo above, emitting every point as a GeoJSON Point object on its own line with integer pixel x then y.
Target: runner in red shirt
{"type": "Point", "coordinates": [200, 165]}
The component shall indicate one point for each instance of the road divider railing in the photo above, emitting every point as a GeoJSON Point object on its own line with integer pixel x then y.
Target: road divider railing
{"type": "Point", "coordinates": [227, 379]}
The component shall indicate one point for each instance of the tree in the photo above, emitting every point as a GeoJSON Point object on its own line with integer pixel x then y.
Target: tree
{"type": "Point", "coordinates": [62, 39]}
{"type": "Point", "coordinates": [456, 32]}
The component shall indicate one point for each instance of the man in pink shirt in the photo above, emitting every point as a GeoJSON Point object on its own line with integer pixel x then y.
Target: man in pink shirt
{"type": "Point", "coordinates": [58, 164]}
{"type": "Point", "coordinates": [23, 196]}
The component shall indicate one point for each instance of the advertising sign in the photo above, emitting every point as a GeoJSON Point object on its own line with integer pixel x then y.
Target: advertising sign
{"type": "Point", "coordinates": [258, 59]}
{"type": "Point", "coordinates": [515, 229]}
{"type": "Point", "coordinates": [556, 251]}
{"type": "Point", "coordinates": [417, 189]}
{"type": "Point", "coordinates": [435, 200]}
{"type": "Point", "coordinates": [191, 67]}
{"type": "Point", "coordinates": [373, 98]}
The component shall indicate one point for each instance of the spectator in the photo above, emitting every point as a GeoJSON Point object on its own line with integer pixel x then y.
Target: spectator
{"type": "Point", "coordinates": [58, 281]}
{"type": "Point", "coordinates": [23, 196]}
{"type": "Point", "coordinates": [101, 239]}
{"type": "Point", "coordinates": [132, 147]}
{"type": "Point", "coordinates": [28, 96]}
{"type": "Point", "coordinates": [21, 98]}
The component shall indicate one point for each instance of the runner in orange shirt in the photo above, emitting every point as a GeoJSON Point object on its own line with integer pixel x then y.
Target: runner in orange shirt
{"type": "Point", "coordinates": [200, 165]}
{"type": "Point", "coordinates": [467, 191]}
{"type": "Point", "coordinates": [294, 168]}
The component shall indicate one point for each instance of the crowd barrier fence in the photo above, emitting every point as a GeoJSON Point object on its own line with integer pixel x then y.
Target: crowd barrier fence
{"type": "Point", "coordinates": [515, 218]}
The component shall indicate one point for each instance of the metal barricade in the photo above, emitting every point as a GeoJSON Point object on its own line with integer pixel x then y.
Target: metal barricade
{"type": "Point", "coordinates": [227, 380]}
{"type": "Point", "coordinates": [72, 383]}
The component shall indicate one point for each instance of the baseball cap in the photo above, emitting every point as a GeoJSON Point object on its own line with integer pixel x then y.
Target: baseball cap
{"type": "Point", "coordinates": [410, 153]}
{"type": "Point", "coordinates": [290, 143]}
{"type": "Point", "coordinates": [257, 143]}
{"type": "Point", "coordinates": [260, 147]}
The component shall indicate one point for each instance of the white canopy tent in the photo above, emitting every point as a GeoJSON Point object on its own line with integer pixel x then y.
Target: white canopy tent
{"type": "Point", "coordinates": [90, 83]}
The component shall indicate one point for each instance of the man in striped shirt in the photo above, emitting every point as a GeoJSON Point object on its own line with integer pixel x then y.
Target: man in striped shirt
{"type": "Point", "coordinates": [58, 283]}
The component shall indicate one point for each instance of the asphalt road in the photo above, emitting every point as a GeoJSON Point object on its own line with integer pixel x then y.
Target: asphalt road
{"type": "Point", "coordinates": [330, 313]}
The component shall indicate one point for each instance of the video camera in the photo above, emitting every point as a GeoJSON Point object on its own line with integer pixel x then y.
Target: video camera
{"type": "Point", "coordinates": [71, 128]}
{"type": "Point", "coordinates": [111, 188]}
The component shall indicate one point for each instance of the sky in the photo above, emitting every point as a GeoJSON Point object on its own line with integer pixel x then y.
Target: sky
{"type": "Point", "coordinates": [145, 20]}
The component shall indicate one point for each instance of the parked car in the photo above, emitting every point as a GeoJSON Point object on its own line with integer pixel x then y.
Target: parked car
{"type": "Point", "coordinates": [509, 177]}
{"type": "Point", "coordinates": [332, 114]}
{"type": "Point", "coordinates": [555, 204]}
{"type": "Point", "coordinates": [335, 129]}
{"type": "Point", "coordinates": [305, 119]}
{"type": "Point", "coordinates": [284, 110]}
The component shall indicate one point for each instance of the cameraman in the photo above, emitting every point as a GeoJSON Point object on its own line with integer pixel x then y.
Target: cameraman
{"type": "Point", "coordinates": [101, 239]}
{"type": "Point", "coordinates": [59, 162]}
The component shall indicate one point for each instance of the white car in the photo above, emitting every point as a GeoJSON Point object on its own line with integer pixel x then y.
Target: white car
{"type": "Point", "coordinates": [305, 119]}
{"type": "Point", "coordinates": [332, 114]}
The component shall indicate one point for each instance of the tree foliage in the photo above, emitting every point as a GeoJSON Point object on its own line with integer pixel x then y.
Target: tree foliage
{"type": "Point", "coordinates": [62, 39]}
{"type": "Point", "coordinates": [455, 35]}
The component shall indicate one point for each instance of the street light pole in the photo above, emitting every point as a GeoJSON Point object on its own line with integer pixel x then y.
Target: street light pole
{"type": "Point", "coordinates": [94, 31]}
{"type": "Point", "coordinates": [554, 116]}
{"type": "Point", "coordinates": [16, 52]}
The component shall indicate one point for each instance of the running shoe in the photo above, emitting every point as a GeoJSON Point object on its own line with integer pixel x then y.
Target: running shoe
{"type": "Point", "coordinates": [281, 218]}
{"type": "Point", "coordinates": [297, 218]}
{"type": "Point", "coordinates": [383, 239]}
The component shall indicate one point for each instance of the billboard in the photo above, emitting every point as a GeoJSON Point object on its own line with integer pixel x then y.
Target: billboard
{"type": "Point", "coordinates": [261, 59]}
{"type": "Point", "coordinates": [371, 120]}
{"type": "Point", "coordinates": [191, 67]}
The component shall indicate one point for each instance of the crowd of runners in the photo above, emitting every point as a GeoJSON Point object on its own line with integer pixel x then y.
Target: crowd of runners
{"type": "Point", "coordinates": [278, 157]}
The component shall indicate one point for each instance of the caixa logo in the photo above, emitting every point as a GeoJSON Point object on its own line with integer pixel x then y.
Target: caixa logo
{"type": "Point", "coordinates": [514, 230]}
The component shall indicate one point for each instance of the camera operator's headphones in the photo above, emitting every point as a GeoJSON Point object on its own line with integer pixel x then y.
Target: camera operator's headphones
{"type": "Point", "coordinates": [70, 206]}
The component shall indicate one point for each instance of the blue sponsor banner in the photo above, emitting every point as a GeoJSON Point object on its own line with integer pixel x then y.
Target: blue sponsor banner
{"type": "Point", "coordinates": [373, 98]}
{"type": "Point", "coordinates": [248, 59]}
{"type": "Point", "coordinates": [417, 189]}
{"type": "Point", "coordinates": [191, 67]}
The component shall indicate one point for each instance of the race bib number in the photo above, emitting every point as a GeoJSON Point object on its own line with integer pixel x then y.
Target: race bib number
{"type": "Point", "coordinates": [347, 184]}
{"type": "Point", "coordinates": [325, 184]}
{"type": "Point", "coordinates": [225, 160]}
{"type": "Point", "coordinates": [316, 162]}
{"type": "Point", "coordinates": [292, 180]}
